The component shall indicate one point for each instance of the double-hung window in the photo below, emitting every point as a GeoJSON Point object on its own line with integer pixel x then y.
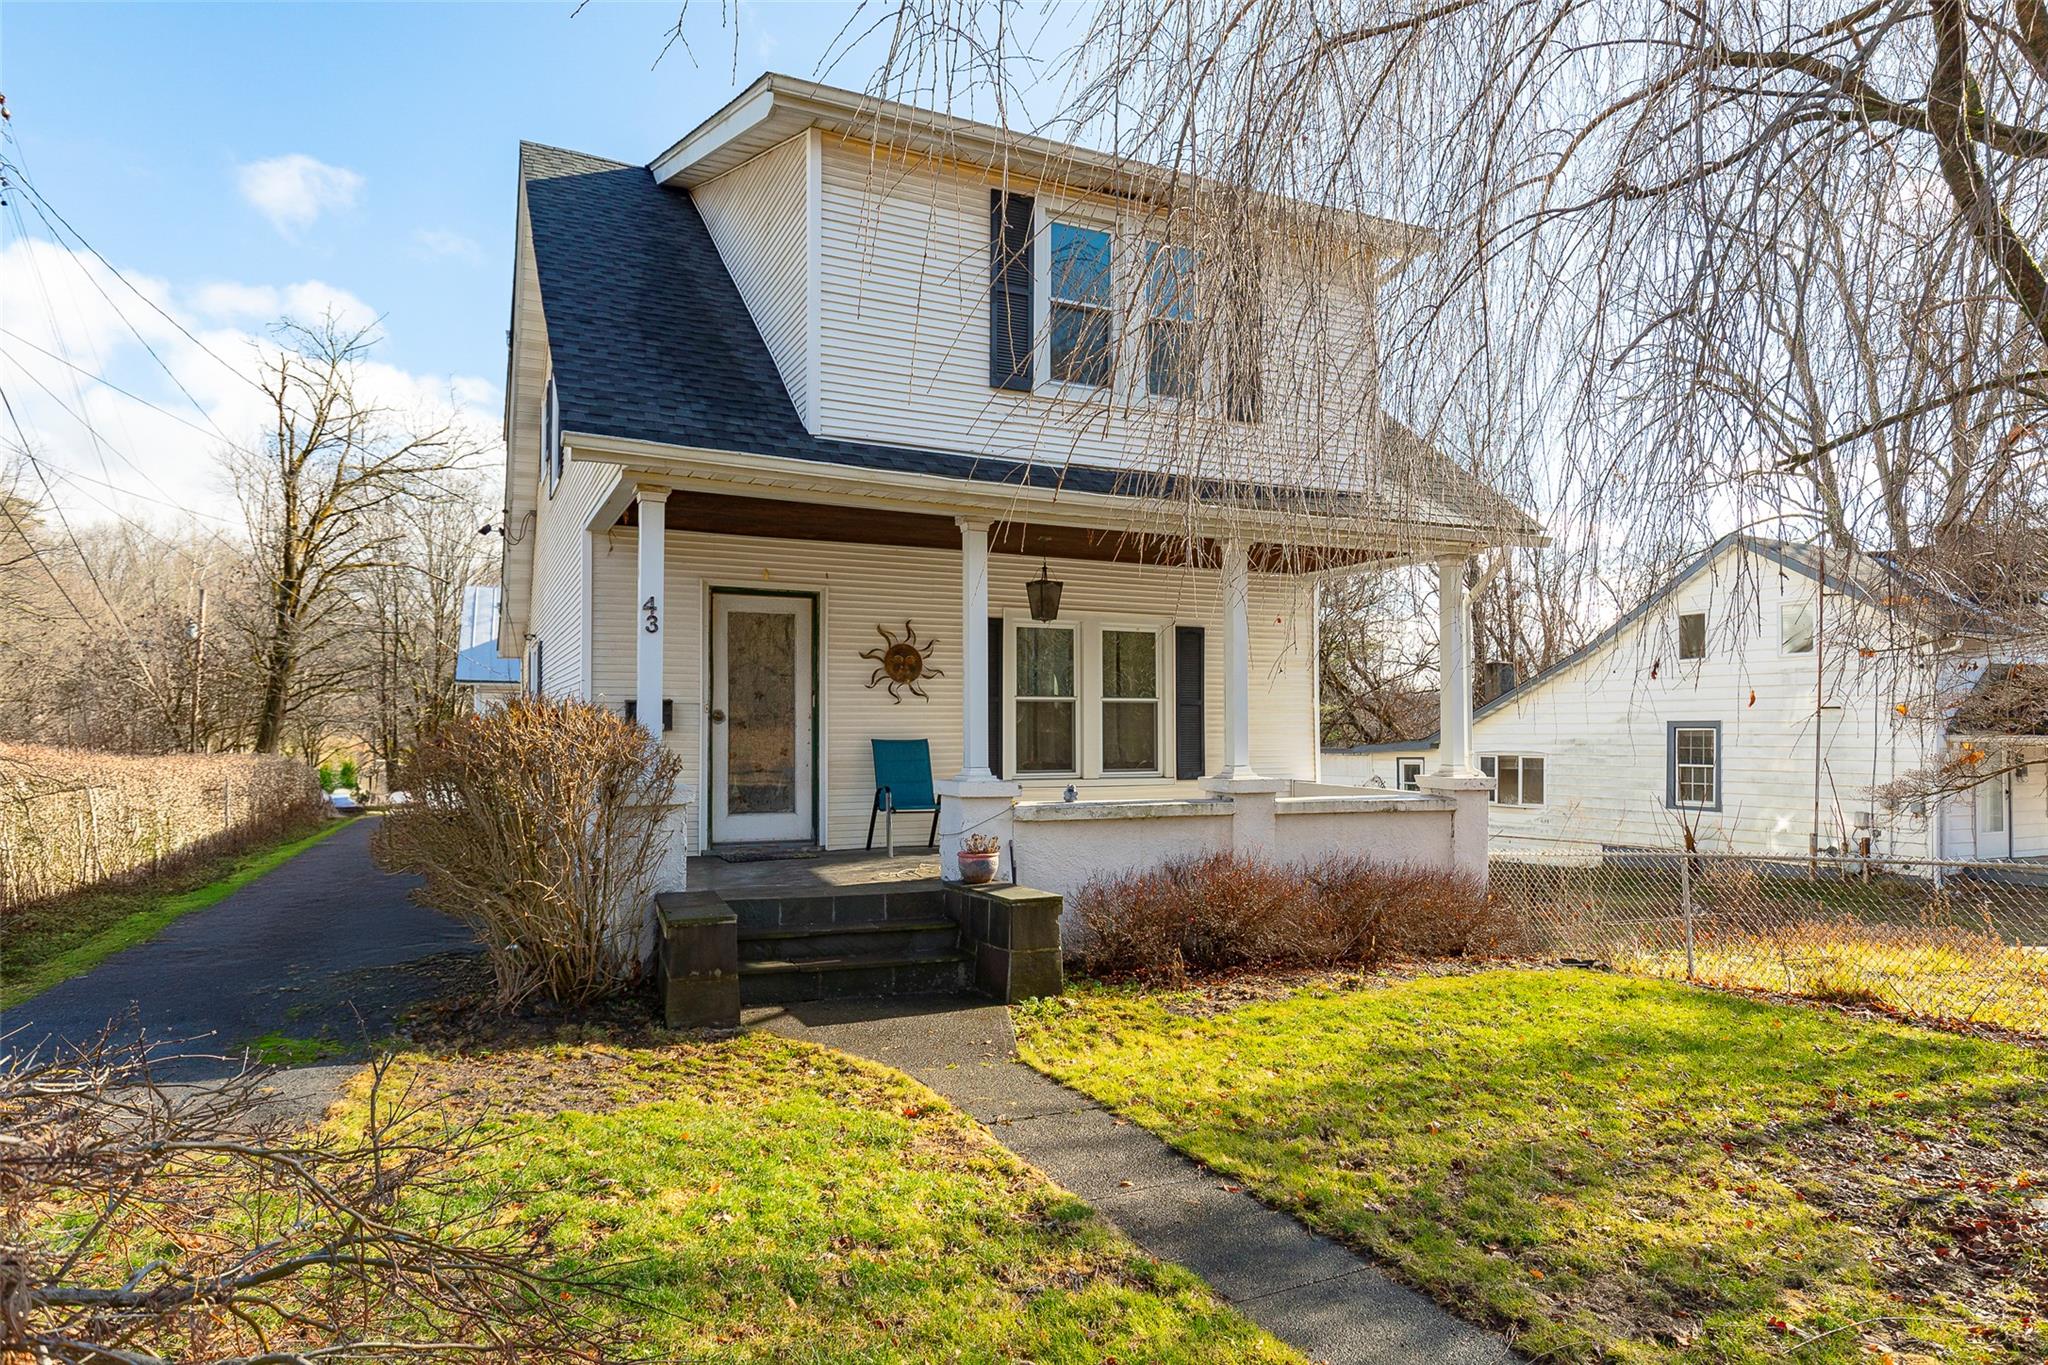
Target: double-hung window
{"type": "Point", "coordinates": [1692, 635]}
{"type": "Point", "coordinates": [1694, 779]}
{"type": "Point", "coordinates": [1046, 708]}
{"type": "Point", "coordinates": [1130, 701]}
{"type": "Point", "coordinates": [1517, 778]}
{"type": "Point", "coordinates": [1795, 628]}
{"type": "Point", "coordinates": [1082, 319]}
{"type": "Point", "coordinates": [1170, 320]}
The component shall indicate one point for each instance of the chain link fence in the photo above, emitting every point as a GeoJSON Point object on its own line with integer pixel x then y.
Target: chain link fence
{"type": "Point", "coordinates": [1954, 942]}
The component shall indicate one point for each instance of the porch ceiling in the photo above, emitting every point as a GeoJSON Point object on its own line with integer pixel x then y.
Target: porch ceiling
{"type": "Point", "coordinates": [784, 519]}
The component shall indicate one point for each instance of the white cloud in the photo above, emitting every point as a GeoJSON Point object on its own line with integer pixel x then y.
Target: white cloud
{"type": "Point", "coordinates": [117, 433]}
{"type": "Point", "coordinates": [293, 191]}
{"type": "Point", "coordinates": [307, 302]}
{"type": "Point", "coordinates": [436, 243]}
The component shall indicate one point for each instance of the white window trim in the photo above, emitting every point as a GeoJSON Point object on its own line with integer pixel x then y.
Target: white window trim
{"type": "Point", "coordinates": [1010, 698]}
{"type": "Point", "coordinates": [1714, 769]}
{"type": "Point", "coordinates": [1400, 782]}
{"type": "Point", "coordinates": [1493, 796]}
{"type": "Point", "coordinates": [1812, 629]}
{"type": "Point", "coordinates": [1160, 684]}
{"type": "Point", "coordinates": [1088, 698]}
{"type": "Point", "coordinates": [1041, 302]}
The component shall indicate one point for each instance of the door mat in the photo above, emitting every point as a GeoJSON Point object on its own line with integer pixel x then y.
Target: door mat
{"type": "Point", "coordinates": [766, 853]}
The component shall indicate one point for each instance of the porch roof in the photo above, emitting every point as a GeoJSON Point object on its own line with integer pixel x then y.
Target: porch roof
{"type": "Point", "coordinates": [651, 342]}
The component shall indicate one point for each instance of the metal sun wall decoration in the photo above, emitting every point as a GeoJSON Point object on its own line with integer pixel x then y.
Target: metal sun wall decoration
{"type": "Point", "coordinates": [902, 663]}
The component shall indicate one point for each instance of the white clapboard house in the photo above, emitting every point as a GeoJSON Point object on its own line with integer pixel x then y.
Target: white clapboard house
{"type": "Point", "coordinates": [1741, 702]}
{"type": "Point", "coordinates": [784, 457]}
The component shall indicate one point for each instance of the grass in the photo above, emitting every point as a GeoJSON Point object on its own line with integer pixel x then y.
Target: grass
{"type": "Point", "coordinates": [762, 1199]}
{"type": "Point", "coordinates": [46, 944]}
{"type": "Point", "coordinates": [1611, 1168]}
{"type": "Point", "coordinates": [280, 1049]}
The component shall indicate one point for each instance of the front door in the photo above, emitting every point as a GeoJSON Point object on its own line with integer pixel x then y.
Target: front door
{"type": "Point", "coordinates": [763, 709]}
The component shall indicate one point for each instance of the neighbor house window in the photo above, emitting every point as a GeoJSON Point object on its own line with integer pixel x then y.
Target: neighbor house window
{"type": "Point", "coordinates": [1695, 767]}
{"type": "Point", "coordinates": [1692, 635]}
{"type": "Point", "coordinates": [1081, 306]}
{"type": "Point", "coordinates": [1795, 628]}
{"type": "Point", "coordinates": [1408, 774]}
{"type": "Point", "coordinates": [1994, 806]}
{"type": "Point", "coordinates": [1517, 778]}
{"type": "Point", "coordinates": [1130, 701]}
{"type": "Point", "coordinates": [1170, 319]}
{"type": "Point", "coordinates": [1045, 700]}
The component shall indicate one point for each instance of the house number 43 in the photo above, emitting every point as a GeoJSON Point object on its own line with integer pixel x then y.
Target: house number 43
{"type": "Point", "coordinates": [653, 616]}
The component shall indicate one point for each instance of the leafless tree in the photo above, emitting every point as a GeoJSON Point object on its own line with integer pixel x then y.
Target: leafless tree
{"type": "Point", "coordinates": [316, 496]}
{"type": "Point", "coordinates": [143, 1223]}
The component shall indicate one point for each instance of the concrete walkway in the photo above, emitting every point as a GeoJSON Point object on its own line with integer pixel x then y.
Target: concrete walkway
{"type": "Point", "coordinates": [1312, 1293]}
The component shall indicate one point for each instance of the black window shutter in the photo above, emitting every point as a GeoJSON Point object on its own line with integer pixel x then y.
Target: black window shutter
{"type": "Point", "coordinates": [995, 695]}
{"type": "Point", "coordinates": [1190, 724]}
{"type": "Point", "coordinates": [1009, 293]}
{"type": "Point", "coordinates": [668, 711]}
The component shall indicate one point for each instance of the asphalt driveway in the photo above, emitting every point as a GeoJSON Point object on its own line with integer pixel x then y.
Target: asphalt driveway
{"type": "Point", "coordinates": [324, 947]}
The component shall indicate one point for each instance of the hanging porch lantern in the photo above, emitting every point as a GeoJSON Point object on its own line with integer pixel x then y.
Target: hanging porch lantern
{"type": "Point", "coordinates": [1043, 592]}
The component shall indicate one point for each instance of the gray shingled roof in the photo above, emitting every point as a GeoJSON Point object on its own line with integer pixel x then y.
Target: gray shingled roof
{"type": "Point", "coordinates": [651, 341]}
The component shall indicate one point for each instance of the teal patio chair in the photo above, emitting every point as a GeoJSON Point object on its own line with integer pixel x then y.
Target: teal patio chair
{"type": "Point", "coordinates": [903, 782]}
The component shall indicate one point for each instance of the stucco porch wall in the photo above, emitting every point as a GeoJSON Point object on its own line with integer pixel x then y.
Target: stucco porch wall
{"type": "Point", "coordinates": [1061, 846]}
{"type": "Point", "coordinates": [862, 586]}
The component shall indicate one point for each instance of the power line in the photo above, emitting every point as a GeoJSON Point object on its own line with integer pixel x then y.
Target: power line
{"type": "Point", "coordinates": [103, 382]}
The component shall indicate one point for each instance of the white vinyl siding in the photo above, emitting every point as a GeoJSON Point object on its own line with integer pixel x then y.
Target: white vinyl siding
{"type": "Point", "coordinates": [903, 334]}
{"type": "Point", "coordinates": [860, 586]}
{"type": "Point", "coordinates": [758, 216]}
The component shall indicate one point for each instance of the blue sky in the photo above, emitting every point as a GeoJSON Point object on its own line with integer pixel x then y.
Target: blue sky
{"type": "Point", "coordinates": [235, 161]}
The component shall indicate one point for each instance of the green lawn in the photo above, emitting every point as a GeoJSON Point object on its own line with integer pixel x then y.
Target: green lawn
{"type": "Point", "coordinates": [45, 944]}
{"type": "Point", "coordinates": [771, 1200]}
{"type": "Point", "coordinates": [1613, 1168]}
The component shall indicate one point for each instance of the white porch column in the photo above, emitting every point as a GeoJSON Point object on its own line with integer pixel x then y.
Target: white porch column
{"type": "Point", "coordinates": [1455, 778]}
{"type": "Point", "coordinates": [1253, 799]}
{"type": "Point", "coordinates": [1454, 648]}
{"type": "Point", "coordinates": [974, 649]}
{"type": "Point", "coordinates": [1237, 662]}
{"type": "Point", "coordinates": [650, 611]}
{"type": "Point", "coordinates": [976, 801]}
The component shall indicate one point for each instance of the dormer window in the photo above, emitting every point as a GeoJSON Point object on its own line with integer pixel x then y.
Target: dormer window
{"type": "Point", "coordinates": [1170, 320]}
{"type": "Point", "coordinates": [1082, 324]}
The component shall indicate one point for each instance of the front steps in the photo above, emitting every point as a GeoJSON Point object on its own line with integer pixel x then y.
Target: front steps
{"type": "Point", "coordinates": [898, 941]}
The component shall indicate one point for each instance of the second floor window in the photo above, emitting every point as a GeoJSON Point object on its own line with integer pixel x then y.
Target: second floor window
{"type": "Point", "coordinates": [1082, 306]}
{"type": "Point", "coordinates": [1692, 635]}
{"type": "Point", "coordinates": [1795, 625]}
{"type": "Point", "coordinates": [1170, 318]}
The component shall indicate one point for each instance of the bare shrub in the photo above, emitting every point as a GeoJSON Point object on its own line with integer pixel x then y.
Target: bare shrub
{"type": "Point", "coordinates": [1223, 911]}
{"type": "Point", "coordinates": [539, 824]}
{"type": "Point", "coordinates": [145, 1223]}
{"type": "Point", "coordinates": [74, 819]}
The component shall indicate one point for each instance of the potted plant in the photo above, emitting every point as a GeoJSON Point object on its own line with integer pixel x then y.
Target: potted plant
{"type": "Point", "coordinates": [979, 854]}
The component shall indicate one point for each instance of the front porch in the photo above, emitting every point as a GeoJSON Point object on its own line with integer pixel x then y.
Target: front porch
{"type": "Point", "coordinates": [1165, 705]}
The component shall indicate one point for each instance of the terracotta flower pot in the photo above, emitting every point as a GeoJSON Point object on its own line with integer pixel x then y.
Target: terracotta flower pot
{"type": "Point", "coordinates": [979, 869]}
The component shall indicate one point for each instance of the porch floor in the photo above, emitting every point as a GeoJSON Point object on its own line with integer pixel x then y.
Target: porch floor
{"type": "Point", "coordinates": [823, 875]}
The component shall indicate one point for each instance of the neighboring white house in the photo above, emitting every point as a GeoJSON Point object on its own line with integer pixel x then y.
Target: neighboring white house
{"type": "Point", "coordinates": [480, 670]}
{"type": "Point", "coordinates": [1740, 702]}
{"type": "Point", "coordinates": [787, 395]}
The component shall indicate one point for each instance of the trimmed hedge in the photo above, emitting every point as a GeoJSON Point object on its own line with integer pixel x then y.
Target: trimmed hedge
{"type": "Point", "coordinates": [72, 819]}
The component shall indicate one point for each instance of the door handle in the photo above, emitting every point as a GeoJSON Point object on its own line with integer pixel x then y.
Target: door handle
{"type": "Point", "coordinates": [717, 716]}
